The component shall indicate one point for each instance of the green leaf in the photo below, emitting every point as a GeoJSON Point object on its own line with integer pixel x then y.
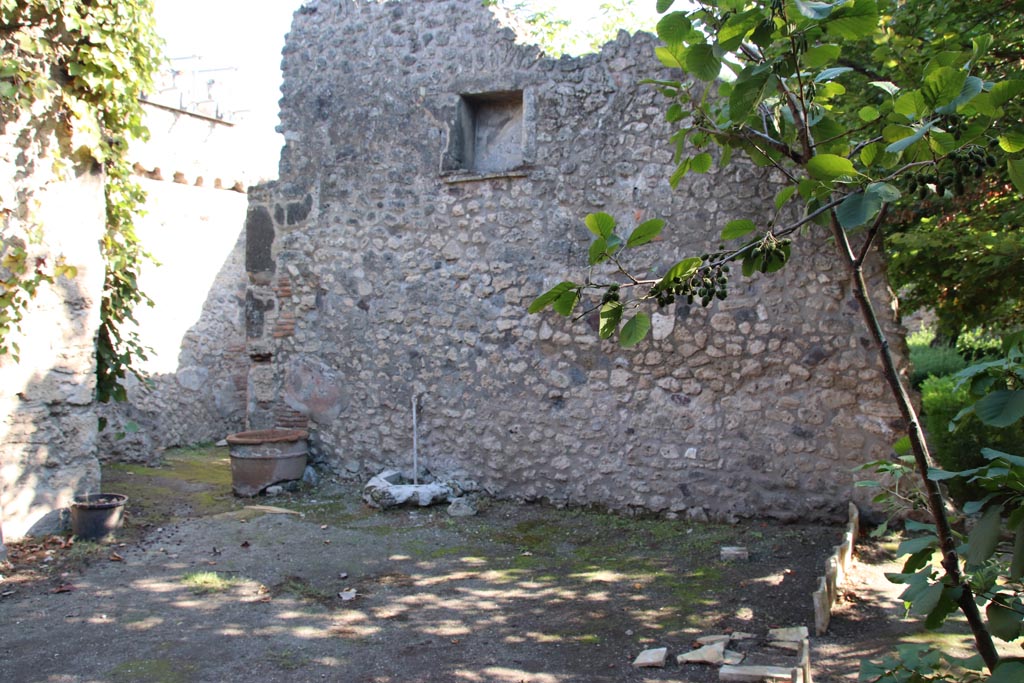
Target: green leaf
{"type": "Point", "coordinates": [1003, 622]}
{"type": "Point", "coordinates": [857, 209]}
{"type": "Point", "coordinates": [927, 600]}
{"type": "Point", "coordinates": [814, 10]}
{"type": "Point", "coordinates": [747, 92]}
{"type": "Point", "coordinates": [830, 167]}
{"type": "Point", "coordinates": [635, 330]}
{"type": "Point", "coordinates": [601, 224]}
{"type": "Point", "coordinates": [829, 74]}
{"type": "Point", "coordinates": [981, 45]}
{"type": "Point", "coordinates": [902, 446]}
{"type": "Point", "coordinates": [667, 57]}
{"type": "Point", "coordinates": [611, 315]}
{"type": "Point", "coordinates": [912, 546]}
{"type": "Point", "coordinates": [1004, 91]}
{"type": "Point", "coordinates": [942, 86]}
{"type": "Point", "coordinates": [904, 143]}
{"type": "Point", "coordinates": [783, 196]}
{"type": "Point", "coordinates": [598, 252]}
{"type": "Point", "coordinates": [701, 163]}
{"type": "Point", "coordinates": [566, 302]}
{"type": "Point", "coordinates": [984, 536]}
{"type": "Point", "coordinates": [645, 232]}
{"type": "Point", "coordinates": [674, 27]}
{"type": "Point", "coordinates": [730, 36]}
{"type": "Point", "coordinates": [911, 104]}
{"type": "Point", "coordinates": [820, 55]}
{"type": "Point", "coordinates": [1017, 563]}
{"type": "Point", "coordinates": [884, 191]}
{"type": "Point", "coordinates": [739, 228]}
{"type": "Point", "coordinates": [887, 86]}
{"type": "Point", "coordinates": [971, 89]}
{"type": "Point", "coordinates": [550, 296]}
{"type": "Point", "coordinates": [854, 20]}
{"type": "Point", "coordinates": [868, 114]}
{"type": "Point", "coordinates": [1007, 672]}
{"type": "Point", "coordinates": [682, 270]}
{"type": "Point", "coordinates": [663, 5]}
{"type": "Point", "coordinates": [1001, 408]}
{"type": "Point", "coordinates": [1012, 141]}
{"type": "Point", "coordinates": [1015, 167]}
{"type": "Point", "coordinates": [701, 61]}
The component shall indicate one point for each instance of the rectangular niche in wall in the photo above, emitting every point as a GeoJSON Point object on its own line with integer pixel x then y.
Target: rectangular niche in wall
{"type": "Point", "coordinates": [490, 132]}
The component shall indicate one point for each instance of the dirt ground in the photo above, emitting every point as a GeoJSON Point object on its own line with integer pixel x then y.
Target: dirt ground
{"type": "Point", "coordinates": [200, 587]}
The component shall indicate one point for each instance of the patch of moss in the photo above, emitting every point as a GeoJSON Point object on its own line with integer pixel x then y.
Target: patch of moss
{"type": "Point", "coordinates": [152, 671]}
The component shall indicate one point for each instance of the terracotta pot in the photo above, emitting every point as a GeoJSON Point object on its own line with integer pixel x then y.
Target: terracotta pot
{"type": "Point", "coordinates": [96, 516]}
{"type": "Point", "coordinates": [266, 457]}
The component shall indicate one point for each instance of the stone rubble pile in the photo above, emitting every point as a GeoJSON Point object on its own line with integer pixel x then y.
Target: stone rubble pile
{"type": "Point", "coordinates": [713, 650]}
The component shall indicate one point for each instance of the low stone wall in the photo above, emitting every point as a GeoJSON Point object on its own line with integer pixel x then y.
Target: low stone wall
{"type": "Point", "coordinates": [434, 181]}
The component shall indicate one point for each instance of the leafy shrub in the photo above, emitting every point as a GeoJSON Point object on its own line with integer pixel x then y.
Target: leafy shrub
{"type": "Point", "coordinates": [927, 360]}
{"type": "Point", "coordinates": [960, 449]}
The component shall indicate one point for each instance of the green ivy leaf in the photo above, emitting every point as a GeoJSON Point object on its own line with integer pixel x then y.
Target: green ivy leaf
{"type": "Point", "coordinates": [645, 232]}
{"type": "Point", "coordinates": [739, 228]}
{"type": "Point", "coordinates": [635, 330]}
{"type": "Point", "coordinates": [601, 224]}
{"type": "Point", "coordinates": [830, 167]}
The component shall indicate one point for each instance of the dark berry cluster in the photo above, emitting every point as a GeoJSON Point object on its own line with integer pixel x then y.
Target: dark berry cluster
{"type": "Point", "coordinates": [966, 163]}
{"type": "Point", "coordinates": [709, 282]}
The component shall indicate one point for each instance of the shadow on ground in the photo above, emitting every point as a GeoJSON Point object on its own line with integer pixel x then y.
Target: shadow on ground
{"type": "Point", "coordinates": [201, 586]}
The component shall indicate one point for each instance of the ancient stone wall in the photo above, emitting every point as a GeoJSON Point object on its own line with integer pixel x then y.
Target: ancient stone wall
{"type": "Point", "coordinates": [197, 366]}
{"type": "Point", "coordinates": [48, 425]}
{"type": "Point", "coordinates": [433, 182]}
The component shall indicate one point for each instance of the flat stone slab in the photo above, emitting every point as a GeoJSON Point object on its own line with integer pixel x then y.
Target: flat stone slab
{"type": "Point", "coordinates": [791, 645]}
{"type": "Point", "coordinates": [792, 633]}
{"type": "Point", "coordinates": [711, 640]}
{"type": "Point", "coordinates": [654, 657]}
{"type": "Point", "coordinates": [709, 654]}
{"type": "Point", "coordinates": [733, 658]}
{"type": "Point", "coordinates": [756, 674]}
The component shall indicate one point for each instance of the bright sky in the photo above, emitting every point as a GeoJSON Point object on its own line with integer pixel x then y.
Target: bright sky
{"type": "Point", "coordinates": [248, 37]}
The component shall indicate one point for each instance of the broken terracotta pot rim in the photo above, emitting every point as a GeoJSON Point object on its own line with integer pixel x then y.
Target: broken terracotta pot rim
{"type": "Point", "coordinates": [267, 436]}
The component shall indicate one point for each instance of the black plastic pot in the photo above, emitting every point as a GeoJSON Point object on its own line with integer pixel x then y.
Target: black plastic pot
{"type": "Point", "coordinates": [96, 516]}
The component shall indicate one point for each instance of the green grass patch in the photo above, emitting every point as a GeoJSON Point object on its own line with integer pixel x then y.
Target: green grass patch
{"type": "Point", "coordinates": [203, 583]}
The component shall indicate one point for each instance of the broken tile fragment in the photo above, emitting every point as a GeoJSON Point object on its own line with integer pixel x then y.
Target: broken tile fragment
{"type": "Point", "coordinates": [742, 635]}
{"type": "Point", "coordinates": [754, 674]}
{"type": "Point", "coordinates": [711, 640]}
{"type": "Point", "coordinates": [734, 552]}
{"type": "Point", "coordinates": [653, 657]}
{"type": "Point", "coordinates": [733, 658]}
{"type": "Point", "coordinates": [790, 645]}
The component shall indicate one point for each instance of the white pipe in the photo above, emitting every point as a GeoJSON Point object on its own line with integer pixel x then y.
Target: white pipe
{"type": "Point", "coordinates": [415, 454]}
